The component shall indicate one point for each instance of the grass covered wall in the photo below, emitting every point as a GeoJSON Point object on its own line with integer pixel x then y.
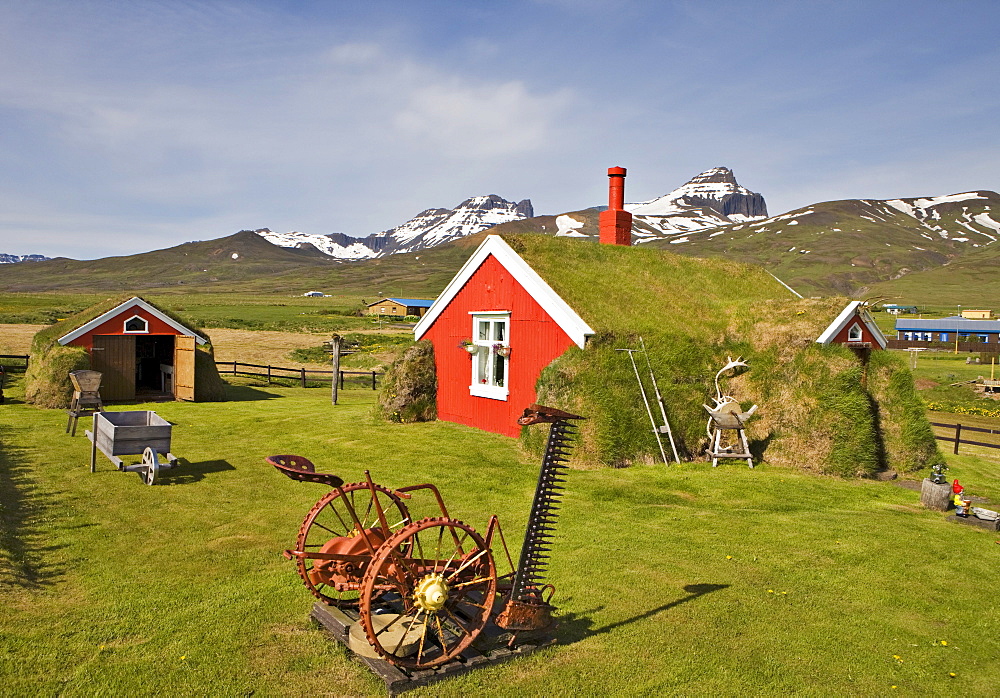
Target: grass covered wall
{"type": "Point", "coordinates": [819, 408]}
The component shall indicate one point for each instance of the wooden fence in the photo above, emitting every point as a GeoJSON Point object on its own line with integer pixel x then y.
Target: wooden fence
{"type": "Point", "coordinates": [300, 374]}
{"type": "Point", "coordinates": [942, 346]}
{"type": "Point", "coordinates": [18, 357]}
{"type": "Point", "coordinates": [957, 438]}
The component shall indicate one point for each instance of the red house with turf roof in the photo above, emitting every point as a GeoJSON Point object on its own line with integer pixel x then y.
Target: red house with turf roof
{"type": "Point", "coordinates": [498, 323]}
{"type": "Point", "coordinates": [854, 327]}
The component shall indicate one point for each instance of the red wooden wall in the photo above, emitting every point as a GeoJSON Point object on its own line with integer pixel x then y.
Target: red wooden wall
{"type": "Point", "coordinates": [535, 340]}
{"type": "Point", "coordinates": [116, 325]}
{"type": "Point", "coordinates": [866, 335]}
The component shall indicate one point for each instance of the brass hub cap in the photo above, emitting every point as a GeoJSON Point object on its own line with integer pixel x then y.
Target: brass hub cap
{"type": "Point", "coordinates": [431, 593]}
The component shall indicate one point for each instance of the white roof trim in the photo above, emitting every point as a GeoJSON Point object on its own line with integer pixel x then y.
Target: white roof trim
{"type": "Point", "coordinates": [550, 301]}
{"type": "Point", "coordinates": [134, 302]}
{"type": "Point", "coordinates": [845, 317]}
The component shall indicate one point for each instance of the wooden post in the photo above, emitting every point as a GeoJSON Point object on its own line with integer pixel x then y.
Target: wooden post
{"type": "Point", "coordinates": [269, 374]}
{"type": "Point", "coordinates": [335, 373]}
{"type": "Point", "coordinates": [373, 380]}
{"type": "Point", "coordinates": [958, 436]}
{"type": "Point", "coordinates": [303, 377]}
{"type": "Point", "coordinates": [234, 368]}
{"type": "Point", "coordinates": [341, 380]}
{"type": "Point", "coordinates": [93, 446]}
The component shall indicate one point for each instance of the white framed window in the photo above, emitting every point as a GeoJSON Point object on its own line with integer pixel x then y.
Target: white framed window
{"type": "Point", "coordinates": [136, 325]}
{"type": "Point", "coordinates": [490, 363]}
{"type": "Point", "coordinates": [854, 334]}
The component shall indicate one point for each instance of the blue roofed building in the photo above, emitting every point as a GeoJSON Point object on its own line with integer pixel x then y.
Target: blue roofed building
{"type": "Point", "coordinates": [948, 329]}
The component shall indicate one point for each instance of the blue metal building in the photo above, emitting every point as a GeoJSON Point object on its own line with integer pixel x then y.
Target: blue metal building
{"type": "Point", "coordinates": [945, 330]}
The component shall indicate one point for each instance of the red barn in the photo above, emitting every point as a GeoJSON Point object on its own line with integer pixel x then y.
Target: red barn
{"type": "Point", "coordinates": [854, 327]}
{"type": "Point", "coordinates": [494, 328]}
{"type": "Point", "coordinates": [139, 348]}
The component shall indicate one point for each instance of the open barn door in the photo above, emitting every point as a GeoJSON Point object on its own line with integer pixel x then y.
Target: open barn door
{"type": "Point", "coordinates": [114, 357]}
{"type": "Point", "coordinates": [184, 367]}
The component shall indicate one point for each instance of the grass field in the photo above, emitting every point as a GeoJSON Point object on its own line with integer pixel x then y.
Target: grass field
{"type": "Point", "coordinates": [670, 581]}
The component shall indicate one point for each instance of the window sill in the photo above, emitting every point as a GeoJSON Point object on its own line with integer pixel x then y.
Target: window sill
{"type": "Point", "coordinates": [490, 391]}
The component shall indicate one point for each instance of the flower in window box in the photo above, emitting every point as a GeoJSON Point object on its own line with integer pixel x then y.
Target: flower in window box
{"type": "Point", "coordinates": [468, 346]}
{"type": "Point", "coordinates": [501, 349]}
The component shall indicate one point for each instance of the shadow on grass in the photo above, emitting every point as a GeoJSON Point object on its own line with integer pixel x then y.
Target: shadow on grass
{"type": "Point", "coordinates": [23, 553]}
{"type": "Point", "coordinates": [245, 393]}
{"type": "Point", "coordinates": [185, 473]}
{"type": "Point", "coordinates": [575, 627]}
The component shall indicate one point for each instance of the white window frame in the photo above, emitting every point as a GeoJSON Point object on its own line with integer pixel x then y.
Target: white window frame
{"type": "Point", "coordinates": [145, 325]}
{"type": "Point", "coordinates": [851, 333]}
{"type": "Point", "coordinates": [484, 361]}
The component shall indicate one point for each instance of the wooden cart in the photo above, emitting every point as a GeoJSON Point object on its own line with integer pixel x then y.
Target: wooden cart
{"type": "Point", "coordinates": [132, 433]}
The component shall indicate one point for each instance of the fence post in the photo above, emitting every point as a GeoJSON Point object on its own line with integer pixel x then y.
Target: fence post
{"type": "Point", "coordinates": [341, 380]}
{"type": "Point", "coordinates": [269, 374]}
{"type": "Point", "coordinates": [303, 377]}
{"type": "Point", "coordinates": [335, 369]}
{"type": "Point", "coordinates": [958, 436]}
{"type": "Point", "coordinates": [234, 368]}
{"type": "Point", "coordinates": [373, 380]}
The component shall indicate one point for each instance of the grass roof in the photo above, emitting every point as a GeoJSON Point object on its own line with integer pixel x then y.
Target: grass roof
{"type": "Point", "coordinates": [820, 408]}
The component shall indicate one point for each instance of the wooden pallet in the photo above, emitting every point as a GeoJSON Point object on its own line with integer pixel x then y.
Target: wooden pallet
{"type": "Point", "coordinates": [490, 648]}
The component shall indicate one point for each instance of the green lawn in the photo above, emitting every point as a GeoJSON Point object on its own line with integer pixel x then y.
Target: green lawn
{"type": "Point", "coordinates": [670, 581]}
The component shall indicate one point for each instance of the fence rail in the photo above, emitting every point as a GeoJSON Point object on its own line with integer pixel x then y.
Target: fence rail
{"type": "Point", "coordinates": [300, 374]}
{"type": "Point", "coordinates": [957, 438]}
{"type": "Point", "coordinates": [19, 357]}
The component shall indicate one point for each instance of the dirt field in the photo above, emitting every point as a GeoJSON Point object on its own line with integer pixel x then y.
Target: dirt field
{"type": "Point", "coordinates": [16, 339]}
{"type": "Point", "coordinates": [262, 347]}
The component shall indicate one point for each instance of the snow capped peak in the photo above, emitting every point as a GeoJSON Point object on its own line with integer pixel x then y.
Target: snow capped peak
{"type": "Point", "coordinates": [428, 228]}
{"type": "Point", "coordinates": [716, 189]}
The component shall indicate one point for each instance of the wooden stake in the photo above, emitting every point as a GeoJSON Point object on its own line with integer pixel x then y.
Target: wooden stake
{"type": "Point", "coordinates": [335, 352]}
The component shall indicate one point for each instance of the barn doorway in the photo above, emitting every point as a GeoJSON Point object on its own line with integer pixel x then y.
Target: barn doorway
{"type": "Point", "coordinates": [148, 367]}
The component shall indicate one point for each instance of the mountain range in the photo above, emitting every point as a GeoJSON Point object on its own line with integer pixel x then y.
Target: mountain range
{"type": "Point", "coordinates": [933, 248]}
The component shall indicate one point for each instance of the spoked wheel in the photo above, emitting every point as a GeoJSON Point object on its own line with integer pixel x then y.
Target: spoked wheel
{"type": "Point", "coordinates": [151, 465]}
{"type": "Point", "coordinates": [439, 579]}
{"type": "Point", "coordinates": [330, 519]}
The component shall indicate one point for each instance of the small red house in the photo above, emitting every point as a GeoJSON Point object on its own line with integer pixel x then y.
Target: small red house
{"type": "Point", "coordinates": [854, 327]}
{"type": "Point", "coordinates": [139, 348]}
{"type": "Point", "coordinates": [494, 328]}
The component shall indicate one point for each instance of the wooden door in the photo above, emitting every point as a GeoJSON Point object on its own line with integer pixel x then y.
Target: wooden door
{"type": "Point", "coordinates": [114, 356]}
{"type": "Point", "coordinates": [184, 367]}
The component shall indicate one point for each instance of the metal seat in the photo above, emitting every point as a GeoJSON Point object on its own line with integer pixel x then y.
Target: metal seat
{"type": "Point", "coordinates": [302, 469]}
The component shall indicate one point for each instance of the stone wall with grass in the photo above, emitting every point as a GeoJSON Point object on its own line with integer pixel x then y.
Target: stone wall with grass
{"type": "Point", "coordinates": [409, 388]}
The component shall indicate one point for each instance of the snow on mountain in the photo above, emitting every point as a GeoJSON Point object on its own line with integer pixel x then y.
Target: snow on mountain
{"type": "Point", "coordinates": [716, 189]}
{"type": "Point", "coordinates": [428, 228]}
{"type": "Point", "coordinates": [15, 258]}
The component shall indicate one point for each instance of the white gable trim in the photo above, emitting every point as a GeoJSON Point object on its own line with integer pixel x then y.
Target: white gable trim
{"type": "Point", "coordinates": [846, 315]}
{"type": "Point", "coordinates": [134, 302]}
{"type": "Point", "coordinates": [560, 311]}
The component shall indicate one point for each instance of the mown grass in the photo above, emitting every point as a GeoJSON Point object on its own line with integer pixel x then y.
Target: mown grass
{"type": "Point", "coordinates": [680, 581]}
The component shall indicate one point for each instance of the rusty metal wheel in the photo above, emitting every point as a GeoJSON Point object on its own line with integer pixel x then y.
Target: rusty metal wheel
{"type": "Point", "coordinates": [330, 519]}
{"type": "Point", "coordinates": [439, 578]}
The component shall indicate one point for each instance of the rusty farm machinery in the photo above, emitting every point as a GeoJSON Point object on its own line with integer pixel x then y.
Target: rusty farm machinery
{"type": "Point", "coordinates": [424, 590]}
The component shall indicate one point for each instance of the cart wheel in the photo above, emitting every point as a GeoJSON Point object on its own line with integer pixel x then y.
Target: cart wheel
{"type": "Point", "coordinates": [439, 577]}
{"type": "Point", "coordinates": [330, 518]}
{"type": "Point", "coordinates": [151, 460]}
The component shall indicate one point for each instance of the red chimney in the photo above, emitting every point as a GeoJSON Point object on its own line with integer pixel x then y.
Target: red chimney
{"type": "Point", "coordinates": [616, 222]}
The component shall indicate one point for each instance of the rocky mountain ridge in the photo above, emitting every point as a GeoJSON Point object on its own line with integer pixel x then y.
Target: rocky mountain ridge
{"type": "Point", "coordinates": [429, 228]}
{"type": "Point", "coordinates": [16, 258]}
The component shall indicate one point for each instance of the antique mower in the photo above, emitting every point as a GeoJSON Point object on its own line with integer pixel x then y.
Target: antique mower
{"type": "Point", "coordinates": [424, 590]}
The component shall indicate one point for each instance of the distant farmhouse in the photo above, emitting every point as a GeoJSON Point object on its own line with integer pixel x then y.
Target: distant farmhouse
{"type": "Point", "coordinates": [949, 329]}
{"type": "Point", "coordinates": [896, 309]}
{"type": "Point", "coordinates": [399, 307]}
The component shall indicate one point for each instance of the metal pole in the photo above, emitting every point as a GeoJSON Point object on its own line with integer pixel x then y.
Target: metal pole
{"type": "Point", "coordinates": [645, 400]}
{"type": "Point", "coordinates": [659, 399]}
{"type": "Point", "coordinates": [335, 350]}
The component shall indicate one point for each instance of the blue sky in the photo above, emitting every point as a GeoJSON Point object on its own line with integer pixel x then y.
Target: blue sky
{"type": "Point", "coordinates": [127, 127]}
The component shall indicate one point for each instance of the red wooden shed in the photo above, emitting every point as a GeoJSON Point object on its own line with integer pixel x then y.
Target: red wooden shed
{"type": "Point", "coordinates": [139, 348]}
{"type": "Point", "coordinates": [854, 327]}
{"type": "Point", "coordinates": [494, 328]}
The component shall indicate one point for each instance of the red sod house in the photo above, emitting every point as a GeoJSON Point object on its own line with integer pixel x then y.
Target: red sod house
{"type": "Point", "coordinates": [139, 348]}
{"type": "Point", "coordinates": [498, 324]}
{"type": "Point", "coordinates": [494, 328]}
{"type": "Point", "coordinates": [855, 328]}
